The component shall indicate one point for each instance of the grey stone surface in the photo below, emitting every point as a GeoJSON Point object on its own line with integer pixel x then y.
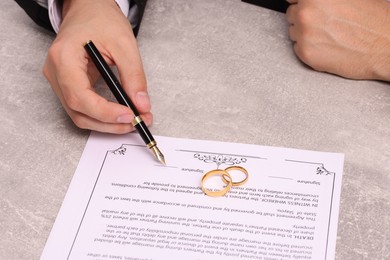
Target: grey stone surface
{"type": "Point", "coordinates": [218, 70]}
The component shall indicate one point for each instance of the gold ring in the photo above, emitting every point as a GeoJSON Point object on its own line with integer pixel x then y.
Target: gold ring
{"type": "Point", "coordinates": [237, 168]}
{"type": "Point", "coordinates": [225, 176]}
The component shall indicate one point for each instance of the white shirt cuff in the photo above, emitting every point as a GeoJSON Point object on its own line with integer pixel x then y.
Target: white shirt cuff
{"type": "Point", "coordinates": [55, 14]}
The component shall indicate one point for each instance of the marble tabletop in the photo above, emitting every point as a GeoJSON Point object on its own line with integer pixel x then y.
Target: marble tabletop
{"type": "Point", "coordinates": [217, 70]}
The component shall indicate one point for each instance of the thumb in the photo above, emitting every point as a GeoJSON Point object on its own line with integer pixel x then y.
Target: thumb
{"type": "Point", "coordinates": [128, 61]}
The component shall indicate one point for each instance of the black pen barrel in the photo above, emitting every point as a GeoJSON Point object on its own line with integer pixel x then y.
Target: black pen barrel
{"type": "Point", "coordinates": [120, 94]}
{"type": "Point", "coordinates": [144, 133]}
{"type": "Point", "coordinates": [109, 77]}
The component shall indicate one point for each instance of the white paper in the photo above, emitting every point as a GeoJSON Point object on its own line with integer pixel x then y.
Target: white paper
{"type": "Point", "coordinates": [123, 204]}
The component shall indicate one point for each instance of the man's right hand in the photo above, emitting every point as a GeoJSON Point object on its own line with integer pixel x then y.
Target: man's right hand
{"type": "Point", "coordinates": [72, 74]}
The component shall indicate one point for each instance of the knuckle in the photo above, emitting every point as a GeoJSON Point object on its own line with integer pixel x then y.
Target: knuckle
{"type": "Point", "coordinates": [102, 109]}
{"type": "Point", "coordinates": [45, 71]}
{"type": "Point", "coordinates": [309, 56]}
{"type": "Point", "coordinates": [53, 52]}
{"type": "Point", "coordinates": [72, 101]}
{"type": "Point", "coordinates": [304, 16]}
{"type": "Point", "coordinates": [52, 59]}
{"type": "Point", "coordinates": [79, 121]}
{"type": "Point", "coordinates": [305, 54]}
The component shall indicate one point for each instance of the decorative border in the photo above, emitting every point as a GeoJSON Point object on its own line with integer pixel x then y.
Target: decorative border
{"type": "Point", "coordinates": [221, 158]}
{"type": "Point", "coordinates": [321, 170]}
{"type": "Point", "coordinates": [122, 149]}
{"type": "Point", "coordinates": [119, 151]}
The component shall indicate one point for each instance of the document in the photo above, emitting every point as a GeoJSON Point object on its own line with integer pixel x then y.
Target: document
{"type": "Point", "coordinates": [123, 204]}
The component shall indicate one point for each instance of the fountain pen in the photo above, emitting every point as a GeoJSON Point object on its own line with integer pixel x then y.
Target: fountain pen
{"type": "Point", "coordinates": [120, 94]}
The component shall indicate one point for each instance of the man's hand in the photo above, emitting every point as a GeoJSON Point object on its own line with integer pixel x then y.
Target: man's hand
{"type": "Point", "coordinates": [72, 74]}
{"type": "Point", "coordinates": [350, 38]}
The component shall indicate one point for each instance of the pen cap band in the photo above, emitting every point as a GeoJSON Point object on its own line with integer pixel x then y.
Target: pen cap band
{"type": "Point", "coordinates": [136, 120]}
{"type": "Point", "coordinates": [146, 135]}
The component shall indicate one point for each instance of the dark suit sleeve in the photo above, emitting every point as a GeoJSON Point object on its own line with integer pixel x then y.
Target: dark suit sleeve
{"type": "Point", "coordinates": [141, 9]}
{"type": "Point", "coordinates": [277, 5]}
{"type": "Point", "coordinates": [40, 15]}
{"type": "Point", "coordinates": [37, 13]}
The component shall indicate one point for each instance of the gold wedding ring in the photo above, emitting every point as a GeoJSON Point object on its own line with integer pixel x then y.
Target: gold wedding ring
{"type": "Point", "coordinates": [236, 168]}
{"type": "Point", "coordinates": [225, 177]}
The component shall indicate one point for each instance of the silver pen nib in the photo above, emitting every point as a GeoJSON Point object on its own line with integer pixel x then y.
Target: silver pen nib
{"type": "Point", "coordinates": [157, 153]}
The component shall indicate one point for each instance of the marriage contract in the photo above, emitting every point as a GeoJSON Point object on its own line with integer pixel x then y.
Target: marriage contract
{"type": "Point", "coordinates": [122, 204]}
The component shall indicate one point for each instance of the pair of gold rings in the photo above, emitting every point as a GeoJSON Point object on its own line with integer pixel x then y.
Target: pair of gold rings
{"type": "Point", "coordinates": [226, 178]}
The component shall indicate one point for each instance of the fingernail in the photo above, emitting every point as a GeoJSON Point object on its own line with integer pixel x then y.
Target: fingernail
{"type": "Point", "coordinates": [125, 119]}
{"type": "Point", "coordinates": [143, 100]}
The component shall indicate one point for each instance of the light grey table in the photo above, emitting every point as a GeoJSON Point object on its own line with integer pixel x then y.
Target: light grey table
{"type": "Point", "coordinates": [219, 70]}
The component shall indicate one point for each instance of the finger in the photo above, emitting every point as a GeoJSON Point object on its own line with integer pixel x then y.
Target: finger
{"type": "Point", "coordinates": [93, 73]}
{"type": "Point", "coordinates": [292, 1]}
{"type": "Point", "coordinates": [86, 122]}
{"type": "Point", "coordinates": [78, 94]}
{"type": "Point", "coordinates": [291, 14]}
{"type": "Point", "coordinates": [128, 61]}
{"type": "Point", "coordinates": [292, 33]}
{"type": "Point", "coordinates": [49, 73]}
{"type": "Point", "coordinates": [80, 97]}
{"type": "Point", "coordinates": [71, 78]}
{"type": "Point", "coordinates": [309, 55]}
